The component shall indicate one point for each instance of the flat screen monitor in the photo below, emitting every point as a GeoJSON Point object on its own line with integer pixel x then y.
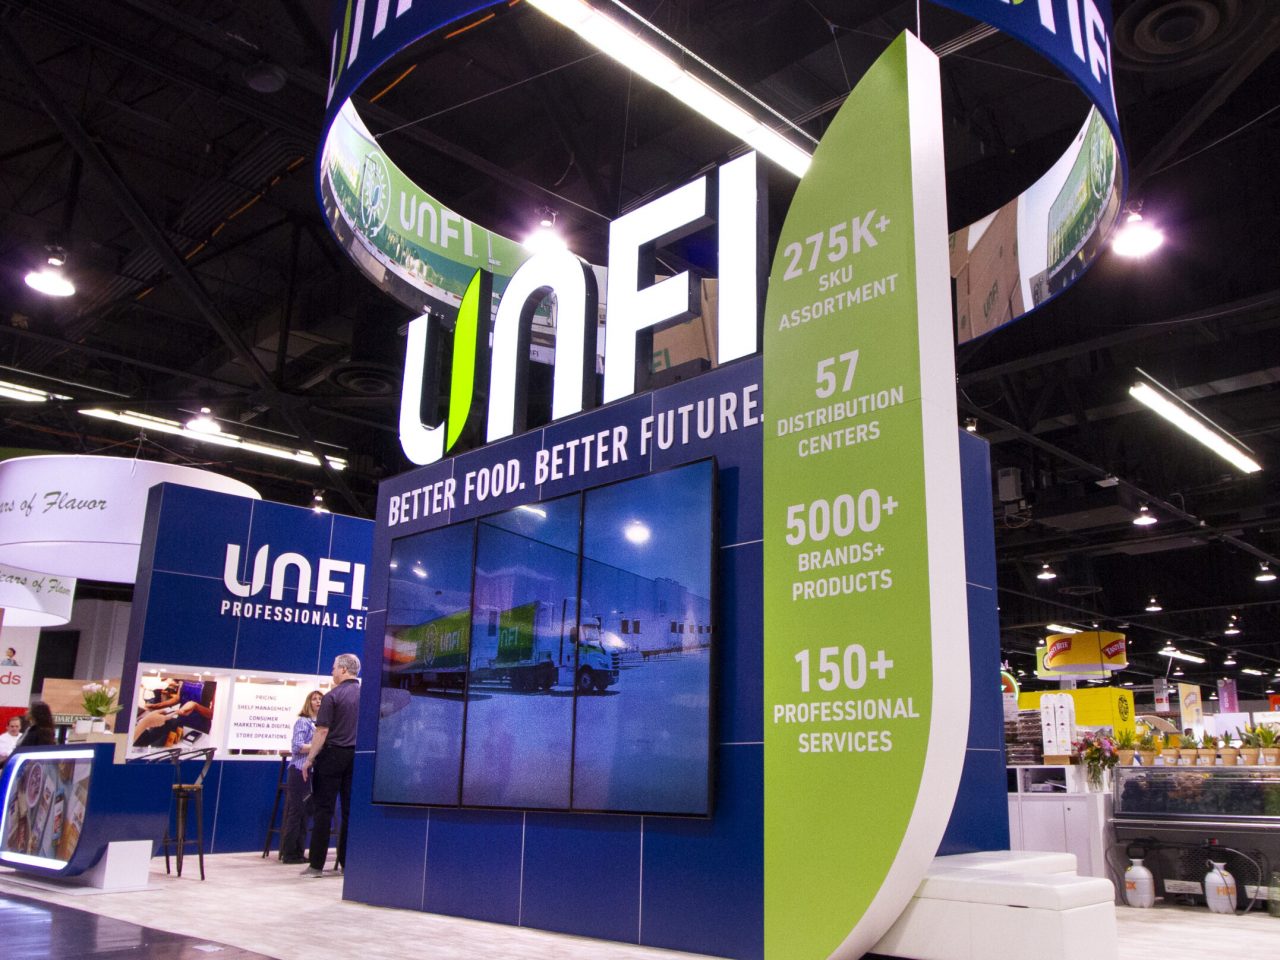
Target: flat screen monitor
{"type": "Point", "coordinates": [557, 656]}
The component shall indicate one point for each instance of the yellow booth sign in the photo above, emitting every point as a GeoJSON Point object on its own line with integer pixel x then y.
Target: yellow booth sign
{"type": "Point", "coordinates": [1091, 653]}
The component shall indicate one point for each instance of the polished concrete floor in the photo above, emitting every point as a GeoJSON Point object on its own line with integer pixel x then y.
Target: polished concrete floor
{"type": "Point", "coordinates": [250, 907]}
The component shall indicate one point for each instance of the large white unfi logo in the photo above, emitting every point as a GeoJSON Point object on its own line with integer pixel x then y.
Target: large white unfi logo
{"type": "Point", "coordinates": [328, 577]}
{"type": "Point", "coordinates": [731, 201]}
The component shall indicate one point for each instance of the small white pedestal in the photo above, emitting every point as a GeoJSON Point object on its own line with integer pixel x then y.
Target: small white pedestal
{"type": "Point", "coordinates": [124, 867]}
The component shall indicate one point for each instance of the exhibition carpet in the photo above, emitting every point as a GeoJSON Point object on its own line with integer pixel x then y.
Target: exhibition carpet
{"type": "Point", "coordinates": [31, 930]}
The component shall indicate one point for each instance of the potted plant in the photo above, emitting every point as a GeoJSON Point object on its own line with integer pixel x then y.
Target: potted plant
{"type": "Point", "coordinates": [1228, 755]}
{"type": "Point", "coordinates": [1269, 753]}
{"type": "Point", "coordinates": [1097, 753]}
{"type": "Point", "coordinates": [1188, 750]}
{"type": "Point", "coordinates": [1207, 755]}
{"type": "Point", "coordinates": [99, 701]}
{"type": "Point", "coordinates": [1170, 752]}
{"type": "Point", "coordinates": [1126, 746]}
{"type": "Point", "coordinates": [1248, 745]}
{"type": "Point", "coordinates": [1149, 745]}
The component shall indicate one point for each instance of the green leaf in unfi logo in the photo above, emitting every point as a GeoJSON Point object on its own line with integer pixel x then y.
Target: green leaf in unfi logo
{"type": "Point", "coordinates": [866, 687]}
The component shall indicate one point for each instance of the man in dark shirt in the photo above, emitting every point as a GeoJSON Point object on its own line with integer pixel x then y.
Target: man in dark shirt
{"type": "Point", "coordinates": [331, 759]}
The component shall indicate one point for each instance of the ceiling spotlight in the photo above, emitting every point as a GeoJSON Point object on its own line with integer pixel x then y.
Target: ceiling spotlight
{"type": "Point", "coordinates": [1177, 672]}
{"type": "Point", "coordinates": [971, 424]}
{"type": "Point", "coordinates": [547, 218]}
{"type": "Point", "coordinates": [1230, 661]}
{"type": "Point", "coordinates": [1265, 575]}
{"type": "Point", "coordinates": [637, 532]}
{"type": "Point", "coordinates": [1153, 605]}
{"type": "Point", "coordinates": [1046, 573]}
{"type": "Point", "coordinates": [49, 279]}
{"type": "Point", "coordinates": [419, 571]}
{"type": "Point", "coordinates": [204, 422]}
{"type": "Point", "coordinates": [1231, 630]}
{"type": "Point", "coordinates": [317, 503]}
{"type": "Point", "coordinates": [1137, 237]}
{"type": "Point", "coordinates": [264, 77]}
{"type": "Point", "coordinates": [545, 239]}
{"type": "Point", "coordinates": [1145, 517]}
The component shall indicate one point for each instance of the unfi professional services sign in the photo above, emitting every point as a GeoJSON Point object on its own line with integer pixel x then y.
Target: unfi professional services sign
{"type": "Point", "coordinates": [231, 583]}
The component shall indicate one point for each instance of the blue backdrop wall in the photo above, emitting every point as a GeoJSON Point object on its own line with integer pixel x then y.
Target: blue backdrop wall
{"type": "Point", "coordinates": [688, 884]}
{"type": "Point", "coordinates": [178, 618]}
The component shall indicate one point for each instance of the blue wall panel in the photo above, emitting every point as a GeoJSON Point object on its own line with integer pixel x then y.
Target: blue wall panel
{"type": "Point", "coordinates": [704, 879]}
{"type": "Point", "coordinates": [244, 793]}
{"type": "Point", "coordinates": [582, 875]}
{"type": "Point", "coordinates": [386, 849]}
{"type": "Point", "coordinates": [741, 675]}
{"type": "Point", "coordinates": [980, 820]}
{"type": "Point", "coordinates": [473, 864]}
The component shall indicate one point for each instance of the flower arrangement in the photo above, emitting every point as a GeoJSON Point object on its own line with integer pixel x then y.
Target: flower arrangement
{"type": "Point", "coordinates": [99, 700]}
{"type": "Point", "coordinates": [1097, 751]}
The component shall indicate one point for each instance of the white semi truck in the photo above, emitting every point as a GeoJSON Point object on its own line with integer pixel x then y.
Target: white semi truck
{"type": "Point", "coordinates": [534, 646]}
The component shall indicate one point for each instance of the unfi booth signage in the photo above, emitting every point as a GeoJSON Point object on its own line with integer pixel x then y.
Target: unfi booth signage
{"type": "Point", "coordinates": [240, 608]}
{"type": "Point", "coordinates": [701, 648]}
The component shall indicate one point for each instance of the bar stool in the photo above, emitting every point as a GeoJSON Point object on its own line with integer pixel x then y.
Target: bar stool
{"type": "Point", "coordinates": [183, 794]}
{"type": "Point", "coordinates": [281, 789]}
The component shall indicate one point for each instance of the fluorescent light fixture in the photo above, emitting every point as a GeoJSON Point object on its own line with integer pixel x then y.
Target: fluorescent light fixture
{"type": "Point", "coordinates": [536, 511]}
{"type": "Point", "coordinates": [1251, 671]}
{"type": "Point", "coordinates": [16, 391]}
{"type": "Point", "coordinates": [145, 421]}
{"type": "Point", "coordinates": [1164, 402]}
{"type": "Point", "coordinates": [1059, 628]}
{"type": "Point", "coordinates": [637, 532]}
{"type": "Point", "coordinates": [1153, 605]}
{"type": "Point", "coordinates": [1046, 573]}
{"type": "Point", "coordinates": [1145, 517]}
{"type": "Point", "coordinates": [1265, 575]}
{"type": "Point", "coordinates": [646, 61]}
{"type": "Point", "coordinates": [1137, 238]}
{"type": "Point", "coordinates": [1180, 655]}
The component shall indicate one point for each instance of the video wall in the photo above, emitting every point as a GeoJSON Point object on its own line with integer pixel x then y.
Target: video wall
{"type": "Point", "coordinates": [556, 656]}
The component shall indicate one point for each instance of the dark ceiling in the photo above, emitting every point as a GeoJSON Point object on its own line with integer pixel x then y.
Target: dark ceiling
{"type": "Point", "coordinates": [135, 139]}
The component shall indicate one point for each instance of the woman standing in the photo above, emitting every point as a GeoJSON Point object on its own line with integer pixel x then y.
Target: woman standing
{"type": "Point", "coordinates": [42, 732]}
{"type": "Point", "coordinates": [296, 789]}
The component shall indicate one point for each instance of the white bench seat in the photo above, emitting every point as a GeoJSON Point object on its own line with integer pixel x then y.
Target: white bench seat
{"type": "Point", "coordinates": [1000, 907]}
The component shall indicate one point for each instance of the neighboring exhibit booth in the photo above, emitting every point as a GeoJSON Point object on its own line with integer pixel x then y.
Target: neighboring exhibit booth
{"type": "Point", "coordinates": [708, 648]}
{"type": "Point", "coordinates": [239, 610]}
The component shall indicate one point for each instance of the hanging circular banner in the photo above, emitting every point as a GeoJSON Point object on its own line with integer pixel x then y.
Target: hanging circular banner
{"type": "Point", "coordinates": [1094, 653]}
{"type": "Point", "coordinates": [1003, 266]}
{"type": "Point", "coordinates": [81, 516]}
{"type": "Point", "coordinates": [32, 599]}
